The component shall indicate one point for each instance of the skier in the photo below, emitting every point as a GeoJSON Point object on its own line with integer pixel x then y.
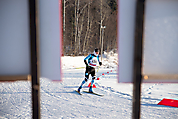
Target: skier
{"type": "Point", "coordinates": [91, 61]}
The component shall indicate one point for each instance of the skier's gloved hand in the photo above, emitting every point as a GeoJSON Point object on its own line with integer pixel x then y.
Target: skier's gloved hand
{"type": "Point", "coordinates": [100, 63]}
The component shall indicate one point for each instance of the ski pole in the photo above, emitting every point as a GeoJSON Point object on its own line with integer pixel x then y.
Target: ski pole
{"type": "Point", "coordinates": [98, 69]}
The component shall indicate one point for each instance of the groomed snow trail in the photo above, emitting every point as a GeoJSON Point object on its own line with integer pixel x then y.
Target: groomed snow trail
{"type": "Point", "coordinates": [60, 101]}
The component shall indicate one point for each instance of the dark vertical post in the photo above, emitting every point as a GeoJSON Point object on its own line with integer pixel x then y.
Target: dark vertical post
{"type": "Point", "coordinates": [137, 75]}
{"type": "Point", "coordinates": [34, 59]}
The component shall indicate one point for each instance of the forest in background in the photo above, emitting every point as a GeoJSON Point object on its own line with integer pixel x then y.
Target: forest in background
{"type": "Point", "coordinates": [86, 23]}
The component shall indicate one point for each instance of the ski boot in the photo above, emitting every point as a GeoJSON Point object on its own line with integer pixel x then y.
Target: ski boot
{"type": "Point", "coordinates": [79, 89]}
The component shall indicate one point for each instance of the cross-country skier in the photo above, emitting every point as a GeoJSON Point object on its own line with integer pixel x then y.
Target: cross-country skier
{"type": "Point", "coordinates": [91, 61]}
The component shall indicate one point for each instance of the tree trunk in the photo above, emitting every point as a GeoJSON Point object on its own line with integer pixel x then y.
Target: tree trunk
{"type": "Point", "coordinates": [88, 23]}
{"type": "Point", "coordinates": [80, 31]}
{"type": "Point", "coordinates": [101, 24]}
{"type": "Point", "coordinates": [76, 25]}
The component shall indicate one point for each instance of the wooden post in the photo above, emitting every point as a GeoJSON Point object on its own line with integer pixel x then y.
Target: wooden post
{"type": "Point", "coordinates": [33, 4]}
{"type": "Point", "coordinates": [137, 75]}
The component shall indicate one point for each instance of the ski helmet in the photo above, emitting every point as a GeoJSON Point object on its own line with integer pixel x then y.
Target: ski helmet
{"type": "Point", "coordinates": [96, 50]}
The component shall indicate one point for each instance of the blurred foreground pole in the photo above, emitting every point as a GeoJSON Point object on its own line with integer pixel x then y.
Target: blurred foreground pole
{"type": "Point", "coordinates": [34, 58]}
{"type": "Point", "coordinates": [137, 75]}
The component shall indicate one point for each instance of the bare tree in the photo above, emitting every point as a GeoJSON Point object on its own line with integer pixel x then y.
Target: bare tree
{"type": "Point", "coordinates": [88, 28]}
{"type": "Point", "coordinates": [83, 26]}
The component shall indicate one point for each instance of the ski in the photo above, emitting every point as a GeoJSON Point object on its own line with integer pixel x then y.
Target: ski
{"type": "Point", "coordinates": [78, 92]}
{"type": "Point", "coordinates": [93, 93]}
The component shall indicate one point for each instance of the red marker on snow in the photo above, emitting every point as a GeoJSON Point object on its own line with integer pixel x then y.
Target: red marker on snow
{"type": "Point", "coordinates": [169, 102]}
{"type": "Point", "coordinates": [98, 78]}
{"type": "Point", "coordinates": [90, 85]}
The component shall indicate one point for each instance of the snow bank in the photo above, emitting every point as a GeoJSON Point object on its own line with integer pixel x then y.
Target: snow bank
{"type": "Point", "coordinates": [110, 60]}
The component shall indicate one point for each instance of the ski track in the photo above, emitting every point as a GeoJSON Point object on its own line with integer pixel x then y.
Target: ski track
{"type": "Point", "coordinates": [14, 104]}
{"type": "Point", "coordinates": [83, 103]}
{"type": "Point", "coordinates": [59, 100]}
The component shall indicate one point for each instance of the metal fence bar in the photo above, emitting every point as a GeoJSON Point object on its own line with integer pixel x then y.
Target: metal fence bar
{"type": "Point", "coordinates": [34, 59]}
{"type": "Point", "coordinates": [137, 75]}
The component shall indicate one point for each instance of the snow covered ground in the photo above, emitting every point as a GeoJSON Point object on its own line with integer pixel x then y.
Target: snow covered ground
{"type": "Point", "coordinates": [60, 101]}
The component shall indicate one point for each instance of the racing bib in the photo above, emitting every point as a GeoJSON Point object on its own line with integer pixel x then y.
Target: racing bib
{"type": "Point", "coordinates": [93, 61]}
